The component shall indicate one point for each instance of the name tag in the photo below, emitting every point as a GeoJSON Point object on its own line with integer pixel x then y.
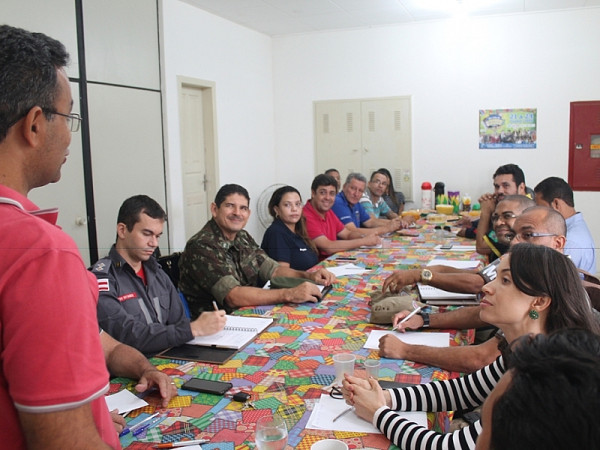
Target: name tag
{"type": "Point", "coordinates": [129, 296]}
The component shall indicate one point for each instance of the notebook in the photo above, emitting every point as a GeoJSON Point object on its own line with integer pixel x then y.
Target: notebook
{"type": "Point", "coordinates": [435, 296]}
{"type": "Point", "coordinates": [238, 332]}
{"type": "Point", "coordinates": [220, 347]}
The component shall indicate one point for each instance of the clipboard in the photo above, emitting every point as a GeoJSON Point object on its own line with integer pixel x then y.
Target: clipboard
{"type": "Point", "coordinates": [188, 352]}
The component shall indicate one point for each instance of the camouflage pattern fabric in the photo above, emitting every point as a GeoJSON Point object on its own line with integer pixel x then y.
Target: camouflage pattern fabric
{"type": "Point", "coordinates": [210, 266]}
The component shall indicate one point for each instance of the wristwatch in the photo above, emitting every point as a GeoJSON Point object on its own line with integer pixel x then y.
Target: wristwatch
{"type": "Point", "coordinates": [425, 317]}
{"type": "Point", "coordinates": [426, 276]}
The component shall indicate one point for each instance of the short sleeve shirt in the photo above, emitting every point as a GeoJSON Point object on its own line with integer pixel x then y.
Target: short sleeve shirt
{"type": "Point", "coordinates": [49, 326]}
{"type": "Point", "coordinates": [211, 266]}
{"type": "Point", "coordinates": [316, 226]}
{"type": "Point", "coordinates": [349, 213]}
{"type": "Point", "coordinates": [283, 245]}
{"type": "Point", "coordinates": [377, 209]}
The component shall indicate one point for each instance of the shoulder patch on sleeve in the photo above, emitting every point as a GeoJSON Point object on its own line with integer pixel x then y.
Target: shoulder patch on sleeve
{"type": "Point", "coordinates": [103, 284]}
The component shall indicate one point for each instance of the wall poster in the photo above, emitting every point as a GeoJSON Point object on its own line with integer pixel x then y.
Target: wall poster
{"type": "Point", "coordinates": [508, 128]}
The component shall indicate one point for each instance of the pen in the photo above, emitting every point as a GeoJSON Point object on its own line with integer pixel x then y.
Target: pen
{"type": "Point", "coordinates": [141, 429]}
{"type": "Point", "coordinates": [415, 311]}
{"type": "Point", "coordinates": [133, 427]}
{"type": "Point", "coordinates": [215, 305]}
{"type": "Point", "coordinates": [182, 443]}
{"type": "Point", "coordinates": [343, 413]}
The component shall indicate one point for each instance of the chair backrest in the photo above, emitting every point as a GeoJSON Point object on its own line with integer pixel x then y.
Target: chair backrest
{"type": "Point", "coordinates": [170, 264]}
{"type": "Point", "coordinates": [185, 304]}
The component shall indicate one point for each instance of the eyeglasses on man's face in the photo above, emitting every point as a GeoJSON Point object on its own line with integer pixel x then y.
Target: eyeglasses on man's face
{"type": "Point", "coordinates": [505, 216]}
{"type": "Point", "coordinates": [526, 236]}
{"type": "Point", "coordinates": [73, 119]}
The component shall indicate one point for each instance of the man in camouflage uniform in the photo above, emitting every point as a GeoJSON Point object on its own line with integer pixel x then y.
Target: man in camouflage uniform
{"type": "Point", "coordinates": [223, 263]}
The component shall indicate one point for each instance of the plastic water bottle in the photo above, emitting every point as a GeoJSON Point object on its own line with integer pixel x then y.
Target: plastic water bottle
{"type": "Point", "coordinates": [426, 193]}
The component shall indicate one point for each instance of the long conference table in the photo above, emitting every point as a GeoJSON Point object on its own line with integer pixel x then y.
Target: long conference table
{"type": "Point", "coordinates": [286, 368]}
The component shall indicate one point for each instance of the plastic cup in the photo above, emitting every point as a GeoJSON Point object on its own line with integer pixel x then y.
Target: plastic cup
{"type": "Point", "coordinates": [372, 368]}
{"type": "Point", "coordinates": [344, 363]}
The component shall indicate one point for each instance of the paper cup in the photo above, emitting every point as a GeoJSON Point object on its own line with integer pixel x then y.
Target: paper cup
{"type": "Point", "coordinates": [329, 444]}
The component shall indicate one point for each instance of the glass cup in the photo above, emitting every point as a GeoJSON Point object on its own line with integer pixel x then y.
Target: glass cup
{"type": "Point", "coordinates": [344, 363]}
{"type": "Point", "coordinates": [372, 368]}
{"type": "Point", "coordinates": [271, 433]}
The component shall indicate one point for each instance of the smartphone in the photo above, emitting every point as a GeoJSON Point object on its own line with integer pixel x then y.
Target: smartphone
{"type": "Point", "coordinates": [446, 247]}
{"type": "Point", "coordinates": [208, 386]}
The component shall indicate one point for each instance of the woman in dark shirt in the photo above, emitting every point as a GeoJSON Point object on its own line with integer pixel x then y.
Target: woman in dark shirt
{"type": "Point", "coordinates": [394, 199]}
{"type": "Point", "coordinates": [286, 240]}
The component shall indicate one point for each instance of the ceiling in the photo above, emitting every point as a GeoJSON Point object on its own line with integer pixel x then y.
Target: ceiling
{"type": "Point", "coordinates": [280, 17]}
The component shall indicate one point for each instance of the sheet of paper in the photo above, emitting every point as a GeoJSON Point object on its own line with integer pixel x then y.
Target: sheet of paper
{"type": "Point", "coordinates": [457, 264]}
{"type": "Point", "coordinates": [268, 286]}
{"type": "Point", "coordinates": [410, 337]}
{"type": "Point", "coordinates": [328, 408]}
{"type": "Point", "coordinates": [347, 269]}
{"type": "Point", "coordinates": [124, 401]}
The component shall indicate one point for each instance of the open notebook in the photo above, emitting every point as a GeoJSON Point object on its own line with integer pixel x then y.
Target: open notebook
{"type": "Point", "coordinates": [220, 347]}
{"type": "Point", "coordinates": [434, 296]}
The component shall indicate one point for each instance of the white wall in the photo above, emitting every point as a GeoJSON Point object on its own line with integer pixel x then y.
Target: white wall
{"type": "Point", "coordinates": [452, 70]}
{"type": "Point", "coordinates": [266, 89]}
{"type": "Point", "coordinates": [239, 61]}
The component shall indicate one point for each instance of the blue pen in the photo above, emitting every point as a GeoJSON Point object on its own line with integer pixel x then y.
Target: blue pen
{"type": "Point", "coordinates": [145, 427]}
{"type": "Point", "coordinates": [134, 427]}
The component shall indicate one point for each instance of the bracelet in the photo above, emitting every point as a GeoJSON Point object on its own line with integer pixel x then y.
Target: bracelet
{"type": "Point", "coordinates": [425, 317]}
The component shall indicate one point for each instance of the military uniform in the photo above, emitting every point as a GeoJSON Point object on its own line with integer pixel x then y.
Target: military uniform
{"type": "Point", "coordinates": [211, 266]}
{"type": "Point", "coordinates": [148, 317]}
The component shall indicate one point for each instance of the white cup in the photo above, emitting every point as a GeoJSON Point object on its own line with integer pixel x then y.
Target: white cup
{"type": "Point", "coordinates": [372, 367]}
{"type": "Point", "coordinates": [329, 444]}
{"type": "Point", "coordinates": [344, 363]}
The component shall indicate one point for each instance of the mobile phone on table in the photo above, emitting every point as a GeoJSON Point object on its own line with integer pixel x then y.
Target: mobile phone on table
{"type": "Point", "coordinates": [207, 386]}
{"type": "Point", "coordinates": [446, 247]}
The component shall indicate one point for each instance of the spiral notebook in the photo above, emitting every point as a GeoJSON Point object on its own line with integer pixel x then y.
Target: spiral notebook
{"type": "Point", "coordinates": [237, 333]}
{"type": "Point", "coordinates": [220, 347]}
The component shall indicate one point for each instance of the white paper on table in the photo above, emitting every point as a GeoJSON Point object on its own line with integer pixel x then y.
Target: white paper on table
{"type": "Point", "coordinates": [328, 408]}
{"type": "Point", "coordinates": [410, 337]}
{"type": "Point", "coordinates": [124, 401]}
{"type": "Point", "coordinates": [347, 269]}
{"type": "Point", "coordinates": [457, 264]}
{"type": "Point", "coordinates": [458, 248]}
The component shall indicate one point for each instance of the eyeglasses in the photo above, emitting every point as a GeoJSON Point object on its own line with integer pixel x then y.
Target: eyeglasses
{"type": "Point", "coordinates": [505, 216]}
{"type": "Point", "coordinates": [528, 235]}
{"type": "Point", "coordinates": [73, 119]}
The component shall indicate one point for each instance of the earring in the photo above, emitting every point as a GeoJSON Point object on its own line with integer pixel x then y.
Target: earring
{"type": "Point", "coordinates": [534, 315]}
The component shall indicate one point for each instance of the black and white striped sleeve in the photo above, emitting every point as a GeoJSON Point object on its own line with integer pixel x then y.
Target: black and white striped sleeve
{"type": "Point", "coordinates": [450, 395]}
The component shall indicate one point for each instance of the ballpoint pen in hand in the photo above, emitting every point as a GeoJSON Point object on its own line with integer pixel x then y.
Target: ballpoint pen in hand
{"type": "Point", "coordinates": [415, 311]}
{"type": "Point", "coordinates": [134, 427]}
{"type": "Point", "coordinates": [343, 413]}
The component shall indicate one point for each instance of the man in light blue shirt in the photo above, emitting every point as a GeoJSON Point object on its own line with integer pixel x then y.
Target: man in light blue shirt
{"type": "Point", "coordinates": [554, 192]}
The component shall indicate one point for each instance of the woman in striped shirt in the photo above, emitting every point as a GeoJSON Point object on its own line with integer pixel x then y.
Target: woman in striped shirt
{"type": "Point", "coordinates": [537, 290]}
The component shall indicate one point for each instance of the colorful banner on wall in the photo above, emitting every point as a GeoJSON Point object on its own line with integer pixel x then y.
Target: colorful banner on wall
{"type": "Point", "coordinates": [508, 128]}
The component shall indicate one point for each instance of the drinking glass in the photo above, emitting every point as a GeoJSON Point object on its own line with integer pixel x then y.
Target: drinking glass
{"type": "Point", "coordinates": [271, 433]}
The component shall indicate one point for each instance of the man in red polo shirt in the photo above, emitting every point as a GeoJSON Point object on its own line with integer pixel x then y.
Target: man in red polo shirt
{"type": "Point", "coordinates": [323, 226]}
{"type": "Point", "coordinates": [53, 375]}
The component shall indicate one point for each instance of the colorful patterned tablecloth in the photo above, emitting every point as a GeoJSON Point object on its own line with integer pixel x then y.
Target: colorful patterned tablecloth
{"type": "Point", "coordinates": [286, 368]}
